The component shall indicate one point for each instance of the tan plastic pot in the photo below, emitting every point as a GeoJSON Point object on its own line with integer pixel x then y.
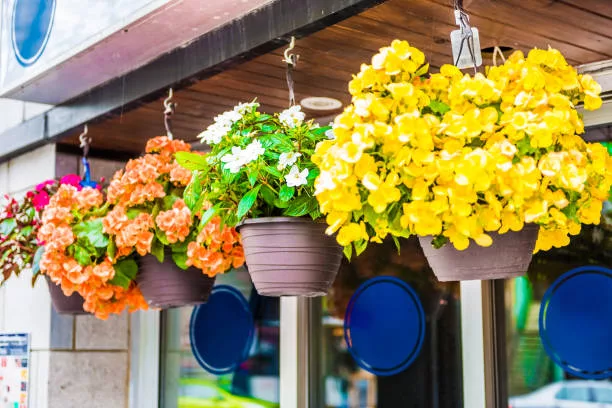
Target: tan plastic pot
{"type": "Point", "coordinates": [65, 305]}
{"type": "Point", "coordinates": [289, 256]}
{"type": "Point", "coordinates": [165, 285]}
{"type": "Point", "coordinates": [508, 257]}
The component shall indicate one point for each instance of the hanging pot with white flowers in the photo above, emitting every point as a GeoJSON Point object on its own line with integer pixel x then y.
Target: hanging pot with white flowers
{"type": "Point", "coordinates": [259, 177]}
{"type": "Point", "coordinates": [484, 168]}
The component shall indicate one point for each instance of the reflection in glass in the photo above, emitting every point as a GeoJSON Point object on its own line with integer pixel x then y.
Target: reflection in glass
{"type": "Point", "coordinates": [434, 379]}
{"type": "Point", "coordinates": [254, 385]}
{"type": "Point", "coordinates": [530, 370]}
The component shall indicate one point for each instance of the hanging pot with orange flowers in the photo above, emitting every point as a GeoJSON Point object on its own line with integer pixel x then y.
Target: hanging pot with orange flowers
{"type": "Point", "coordinates": [77, 256]}
{"type": "Point", "coordinates": [179, 255]}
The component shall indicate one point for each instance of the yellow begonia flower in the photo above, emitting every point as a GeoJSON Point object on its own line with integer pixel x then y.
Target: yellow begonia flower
{"type": "Point", "coordinates": [351, 233]}
{"type": "Point", "coordinates": [463, 155]}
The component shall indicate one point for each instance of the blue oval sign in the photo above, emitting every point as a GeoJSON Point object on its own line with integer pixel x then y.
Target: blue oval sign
{"type": "Point", "coordinates": [384, 325]}
{"type": "Point", "coordinates": [222, 330]}
{"type": "Point", "coordinates": [31, 26]}
{"type": "Point", "coordinates": [576, 322]}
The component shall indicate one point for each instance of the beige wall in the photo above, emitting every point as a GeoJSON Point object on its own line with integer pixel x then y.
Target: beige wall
{"type": "Point", "coordinates": [75, 361]}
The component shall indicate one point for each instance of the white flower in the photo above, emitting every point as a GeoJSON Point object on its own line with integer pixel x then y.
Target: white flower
{"type": "Point", "coordinates": [296, 178]}
{"type": "Point", "coordinates": [292, 117]}
{"type": "Point", "coordinates": [287, 159]}
{"type": "Point", "coordinates": [243, 108]}
{"type": "Point", "coordinates": [234, 160]}
{"type": "Point", "coordinates": [253, 151]}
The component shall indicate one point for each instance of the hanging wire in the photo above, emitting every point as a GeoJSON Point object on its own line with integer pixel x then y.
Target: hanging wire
{"type": "Point", "coordinates": [85, 141]}
{"type": "Point", "coordinates": [498, 51]}
{"type": "Point", "coordinates": [467, 37]}
{"type": "Point", "coordinates": [291, 61]}
{"type": "Point", "coordinates": [169, 108]}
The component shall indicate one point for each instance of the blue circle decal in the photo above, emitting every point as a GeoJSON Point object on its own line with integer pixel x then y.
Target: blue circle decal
{"type": "Point", "coordinates": [32, 22]}
{"type": "Point", "coordinates": [384, 325]}
{"type": "Point", "coordinates": [576, 322]}
{"type": "Point", "coordinates": [222, 330]}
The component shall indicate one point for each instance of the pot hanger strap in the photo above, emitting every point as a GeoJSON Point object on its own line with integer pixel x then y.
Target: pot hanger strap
{"type": "Point", "coordinates": [291, 61]}
{"type": "Point", "coordinates": [497, 51]}
{"type": "Point", "coordinates": [169, 108]}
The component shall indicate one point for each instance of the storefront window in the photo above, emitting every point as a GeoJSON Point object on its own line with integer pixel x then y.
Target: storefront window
{"type": "Point", "coordinates": [534, 380]}
{"type": "Point", "coordinates": [434, 379]}
{"type": "Point", "coordinates": [256, 382]}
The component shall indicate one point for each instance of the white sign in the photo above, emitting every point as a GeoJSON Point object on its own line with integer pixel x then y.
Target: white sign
{"type": "Point", "coordinates": [14, 370]}
{"type": "Point", "coordinates": [38, 35]}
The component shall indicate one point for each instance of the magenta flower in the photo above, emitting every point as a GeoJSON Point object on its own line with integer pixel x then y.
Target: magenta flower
{"type": "Point", "coordinates": [71, 179]}
{"type": "Point", "coordinates": [41, 186]}
{"type": "Point", "coordinates": [40, 200]}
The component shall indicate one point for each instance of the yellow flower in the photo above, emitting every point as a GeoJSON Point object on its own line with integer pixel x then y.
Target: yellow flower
{"type": "Point", "coordinates": [352, 232]}
{"type": "Point", "coordinates": [335, 220]}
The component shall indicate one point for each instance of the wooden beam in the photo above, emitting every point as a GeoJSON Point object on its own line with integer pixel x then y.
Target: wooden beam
{"type": "Point", "coordinates": [254, 34]}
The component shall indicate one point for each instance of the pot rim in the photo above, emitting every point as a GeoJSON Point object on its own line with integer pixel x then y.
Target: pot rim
{"type": "Point", "coordinates": [273, 220]}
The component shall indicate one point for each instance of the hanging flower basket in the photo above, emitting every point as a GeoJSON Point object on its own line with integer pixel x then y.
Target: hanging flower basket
{"type": "Point", "coordinates": [289, 256]}
{"type": "Point", "coordinates": [259, 176]}
{"type": "Point", "coordinates": [461, 160]}
{"type": "Point", "coordinates": [65, 305]}
{"type": "Point", "coordinates": [508, 257]}
{"type": "Point", "coordinates": [165, 285]}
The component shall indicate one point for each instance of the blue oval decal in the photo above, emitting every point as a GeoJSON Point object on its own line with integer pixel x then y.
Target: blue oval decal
{"type": "Point", "coordinates": [31, 26]}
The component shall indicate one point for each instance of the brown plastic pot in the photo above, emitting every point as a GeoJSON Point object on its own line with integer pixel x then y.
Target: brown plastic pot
{"type": "Point", "coordinates": [288, 256]}
{"type": "Point", "coordinates": [165, 285]}
{"type": "Point", "coordinates": [508, 257]}
{"type": "Point", "coordinates": [65, 305]}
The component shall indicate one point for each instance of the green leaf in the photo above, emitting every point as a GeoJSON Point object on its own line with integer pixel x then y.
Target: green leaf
{"type": "Point", "coordinates": [157, 250]}
{"type": "Point", "coordinates": [439, 241]}
{"type": "Point", "coordinates": [26, 231]}
{"type": "Point", "coordinates": [193, 191]}
{"type": "Point", "coordinates": [360, 246]}
{"type": "Point", "coordinates": [286, 193]}
{"type": "Point", "coordinates": [348, 251]}
{"type": "Point", "coordinates": [180, 259]}
{"type": "Point", "coordinates": [422, 70]}
{"type": "Point", "coordinates": [125, 272]}
{"type": "Point", "coordinates": [397, 243]}
{"type": "Point", "coordinates": [7, 226]}
{"type": "Point", "coordinates": [247, 202]}
{"type": "Point", "coordinates": [162, 237]}
{"type": "Point", "coordinates": [272, 171]}
{"type": "Point", "coordinates": [132, 213]}
{"type": "Point", "coordinates": [268, 195]}
{"type": "Point", "coordinates": [93, 231]}
{"type": "Point", "coordinates": [253, 177]}
{"type": "Point", "coordinates": [439, 107]}
{"type": "Point", "coordinates": [168, 201]}
{"type": "Point", "coordinates": [82, 255]}
{"type": "Point", "coordinates": [320, 130]}
{"type": "Point", "coordinates": [192, 161]}
{"type": "Point", "coordinates": [299, 207]}
{"type": "Point", "coordinates": [36, 260]}
{"type": "Point", "coordinates": [208, 214]}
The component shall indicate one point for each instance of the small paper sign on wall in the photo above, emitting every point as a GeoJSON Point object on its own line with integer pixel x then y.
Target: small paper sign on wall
{"type": "Point", "coordinates": [14, 369]}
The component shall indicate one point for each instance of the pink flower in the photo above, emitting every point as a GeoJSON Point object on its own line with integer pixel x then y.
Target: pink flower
{"type": "Point", "coordinates": [71, 179]}
{"type": "Point", "coordinates": [41, 186]}
{"type": "Point", "coordinates": [40, 200]}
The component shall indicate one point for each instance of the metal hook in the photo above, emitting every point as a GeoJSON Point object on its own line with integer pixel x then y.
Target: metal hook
{"type": "Point", "coordinates": [290, 59]}
{"type": "Point", "coordinates": [169, 107]}
{"type": "Point", "coordinates": [85, 141]}
{"type": "Point", "coordinates": [496, 51]}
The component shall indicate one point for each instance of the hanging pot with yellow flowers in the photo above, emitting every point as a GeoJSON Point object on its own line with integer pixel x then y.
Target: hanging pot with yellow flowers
{"type": "Point", "coordinates": [484, 168]}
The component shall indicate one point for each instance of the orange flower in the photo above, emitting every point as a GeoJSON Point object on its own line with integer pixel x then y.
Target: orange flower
{"type": "Point", "coordinates": [104, 270]}
{"type": "Point", "coordinates": [175, 223]}
{"type": "Point", "coordinates": [180, 176]}
{"type": "Point", "coordinates": [88, 198]}
{"type": "Point", "coordinates": [216, 250]}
